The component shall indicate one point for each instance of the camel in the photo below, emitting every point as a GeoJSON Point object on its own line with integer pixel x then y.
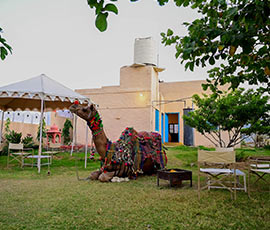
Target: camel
{"type": "Point", "coordinates": [133, 153]}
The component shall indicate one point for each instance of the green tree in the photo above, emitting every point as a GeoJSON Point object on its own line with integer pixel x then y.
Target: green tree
{"type": "Point", "coordinates": [237, 114]}
{"type": "Point", "coordinates": [232, 35]}
{"type": "Point", "coordinates": [66, 131]}
{"type": "Point", "coordinates": [4, 47]}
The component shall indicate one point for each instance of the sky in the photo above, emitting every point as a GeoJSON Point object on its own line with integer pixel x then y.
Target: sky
{"type": "Point", "coordinates": [59, 38]}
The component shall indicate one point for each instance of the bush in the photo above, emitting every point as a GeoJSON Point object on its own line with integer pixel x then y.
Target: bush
{"type": "Point", "coordinates": [28, 141]}
{"type": "Point", "coordinates": [13, 137]}
{"type": "Point", "coordinates": [66, 133]}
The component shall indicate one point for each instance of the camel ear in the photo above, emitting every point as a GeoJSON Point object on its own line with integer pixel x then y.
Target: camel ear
{"type": "Point", "coordinates": [92, 107]}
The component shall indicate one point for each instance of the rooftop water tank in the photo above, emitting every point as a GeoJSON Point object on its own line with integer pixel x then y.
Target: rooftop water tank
{"type": "Point", "coordinates": [145, 51]}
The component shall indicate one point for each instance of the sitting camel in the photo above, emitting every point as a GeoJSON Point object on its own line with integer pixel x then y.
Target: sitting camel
{"type": "Point", "coordinates": [131, 154]}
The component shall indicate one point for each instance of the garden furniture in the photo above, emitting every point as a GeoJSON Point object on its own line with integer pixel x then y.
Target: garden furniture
{"type": "Point", "coordinates": [260, 167]}
{"type": "Point", "coordinates": [16, 152]}
{"type": "Point", "coordinates": [221, 171]}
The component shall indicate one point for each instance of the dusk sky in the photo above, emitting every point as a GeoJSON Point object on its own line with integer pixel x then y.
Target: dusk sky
{"type": "Point", "coordinates": [59, 38]}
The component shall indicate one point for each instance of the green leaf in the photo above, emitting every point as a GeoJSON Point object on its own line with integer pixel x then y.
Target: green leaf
{"type": "Point", "coordinates": [187, 65]}
{"type": "Point", "coordinates": [162, 2]}
{"type": "Point", "coordinates": [162, 34]}
{"type": "Point", "coordinates": [191, 66]}
{"type": "Point", "coordinates": [212, 60]}
{"type": "Point", "coordinates": [92, 3]}
{"type": "Point", "coordinates": [169, 32]}
{"type": "Point", "coordinates": [2, 53]}
{"type": "Point", "coordinates": [111, 7]}
{"type": "Point", "coordinates": [101, 21]}
{"type": "Point", "coordinates": [99, 7]}
{"type": "Point", "coordinates": [177, 54]}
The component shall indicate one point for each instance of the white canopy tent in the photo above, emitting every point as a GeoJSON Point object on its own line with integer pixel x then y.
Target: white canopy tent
{"type": "Point", "coordinates": [38, 93]}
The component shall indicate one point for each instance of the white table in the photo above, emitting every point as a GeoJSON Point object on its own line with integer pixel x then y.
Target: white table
{"type": "Point", "coordinates": [33, 157]}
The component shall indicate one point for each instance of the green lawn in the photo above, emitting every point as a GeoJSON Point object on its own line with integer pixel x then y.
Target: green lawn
{"type": "Point", "coordinates": [29, 200]}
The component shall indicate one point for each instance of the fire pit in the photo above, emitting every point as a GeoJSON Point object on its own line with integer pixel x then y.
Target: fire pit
{"type": "Point", "coordinates": [175, 176]}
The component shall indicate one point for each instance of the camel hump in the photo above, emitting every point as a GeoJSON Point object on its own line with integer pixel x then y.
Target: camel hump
{"type": "Point", "coordinates": [150, 135]}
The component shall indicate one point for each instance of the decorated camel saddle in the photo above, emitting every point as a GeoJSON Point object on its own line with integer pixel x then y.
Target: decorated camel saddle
{"type": "Point", "coordinates": [133, 153]}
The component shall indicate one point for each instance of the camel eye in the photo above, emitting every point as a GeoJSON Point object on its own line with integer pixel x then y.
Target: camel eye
{"type": "Point", "coordinates": [84, 110]}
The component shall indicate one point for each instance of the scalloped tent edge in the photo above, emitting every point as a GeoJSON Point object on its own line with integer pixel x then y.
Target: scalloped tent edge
{"type": "Point", "coordinates": [28, 94]}
{"type": "Point", "coordinates": [38, 93]}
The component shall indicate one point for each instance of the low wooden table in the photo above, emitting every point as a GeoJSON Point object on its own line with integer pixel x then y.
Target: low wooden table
{"type": "Point", "coordinates": [175, 176]}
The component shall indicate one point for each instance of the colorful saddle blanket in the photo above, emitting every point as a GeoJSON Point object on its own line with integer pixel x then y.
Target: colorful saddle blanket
{"type": "Point", "coordinates": [133, 148]}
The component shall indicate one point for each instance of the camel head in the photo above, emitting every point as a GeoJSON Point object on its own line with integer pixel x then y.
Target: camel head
{"type": "Point", "coordinates": [84, 112]}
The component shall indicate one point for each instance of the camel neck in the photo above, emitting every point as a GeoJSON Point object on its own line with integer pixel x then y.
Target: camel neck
{"type": "Point", "coordinates": [95, 124]}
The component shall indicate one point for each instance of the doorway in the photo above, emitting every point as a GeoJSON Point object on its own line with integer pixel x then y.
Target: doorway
{"type": "Point", "coordinates": [172, 127]}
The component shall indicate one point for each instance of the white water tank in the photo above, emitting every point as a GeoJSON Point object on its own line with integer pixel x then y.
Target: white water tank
{"type": "Point", "coordinates": [145, 51]}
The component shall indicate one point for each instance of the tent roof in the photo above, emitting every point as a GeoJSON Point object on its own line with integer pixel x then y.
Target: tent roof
{"type": "Point", "coordinates": [28, 93]}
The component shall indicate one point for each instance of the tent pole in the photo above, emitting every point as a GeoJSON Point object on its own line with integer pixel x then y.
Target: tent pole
{"type": "Point", "coordinates": [74, 133]}
{"type": "Point", "coordinates": [40, 134]}
{"type": "Point", "coordinates": [2, 124]}
{"type": "Point", "coordinates": [86, 147]}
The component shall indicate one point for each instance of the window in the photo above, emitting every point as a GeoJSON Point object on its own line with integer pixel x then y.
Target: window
{"type": "Point", "coordinates": [173, 128]}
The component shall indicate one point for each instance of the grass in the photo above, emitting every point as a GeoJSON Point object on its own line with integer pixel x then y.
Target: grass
{"type": "Point", "coordinates": [29, 200]}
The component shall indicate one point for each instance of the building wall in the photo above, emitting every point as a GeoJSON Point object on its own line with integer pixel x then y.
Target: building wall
{"type": "Point", "coordinates": [126, 105]}
{"type": "Point", "coordinates": [134, 103]}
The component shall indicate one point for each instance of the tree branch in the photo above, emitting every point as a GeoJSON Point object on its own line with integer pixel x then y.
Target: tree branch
{"type": "Point", "coordinates": [210, 140]}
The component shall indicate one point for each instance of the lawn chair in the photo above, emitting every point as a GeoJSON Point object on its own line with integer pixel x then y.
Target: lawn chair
{"type": "Point", "coordinates": [16, 152]}
{"type": "Point", "coordinates": [260, 167]}
{"type": "Point", "coordinates": [52, 149]}
{"type": "Point", "coordinates": [221, 171]}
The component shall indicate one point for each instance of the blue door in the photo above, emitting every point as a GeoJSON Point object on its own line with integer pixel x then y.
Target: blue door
{"type": "Point", "coordinates": [166, 128]}
{"type": "Point", "coordinates": [156, 120]}
{"type": "Point", "coordinates": [162, 127]}
{"type": "Point", "coordinates": [172, 127]}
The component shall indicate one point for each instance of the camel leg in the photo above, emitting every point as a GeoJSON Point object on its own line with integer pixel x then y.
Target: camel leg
{"type": "Point", "coordinates": [148, 167]}
{"type": "Point", "coordinates": [94, 175]}
{"type": "Point", "coordinates": [106, 177]}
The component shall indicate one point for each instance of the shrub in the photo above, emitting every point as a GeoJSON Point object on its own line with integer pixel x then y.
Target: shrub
{"type": "Point", "coordinates": [66, 133]}
{"type": "Point", "coordinates": [13, 137]}
{"type": "Point", "coordinates": [28, 141]}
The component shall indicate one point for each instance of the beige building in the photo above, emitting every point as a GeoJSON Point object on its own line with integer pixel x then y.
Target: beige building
{"type": "Point", "coordinates": [143, 102]}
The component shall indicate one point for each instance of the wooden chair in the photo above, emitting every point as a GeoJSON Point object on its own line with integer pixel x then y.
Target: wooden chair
{"type": "Point", "coordinates": [260, 167]}
{"type": "Point", "coordinates": [221, 171]}
{"type": "Point", "coordinates": [16, 152]}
